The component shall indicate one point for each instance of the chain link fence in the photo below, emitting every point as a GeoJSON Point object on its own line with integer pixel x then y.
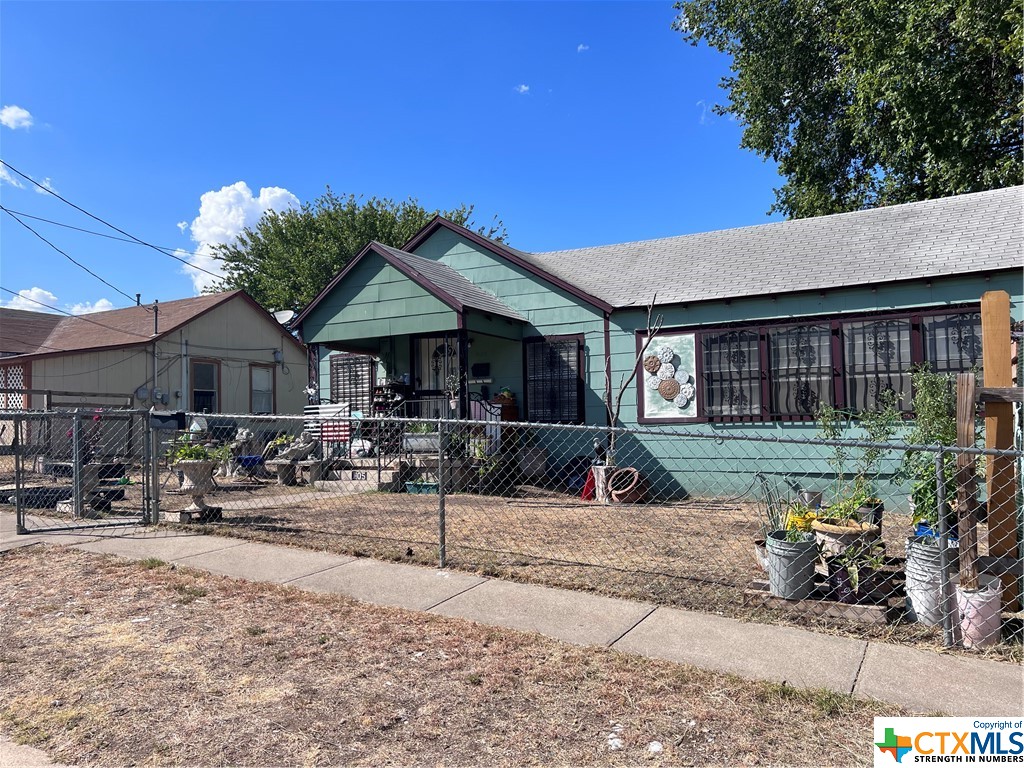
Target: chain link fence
{"type": "Point", "coordinates": [920, 544]}
{"type": "Point", "coordinates": [916, 543]}
{"type": "Point", "coordinates": [75, 468]}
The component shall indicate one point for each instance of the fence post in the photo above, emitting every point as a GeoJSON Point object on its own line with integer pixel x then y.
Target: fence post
{"type": "Point", "coordinates": [147, 496]}
{"type": "Point", "coordinates": [441, 535]}
{"type": "Point", "coordinates": [19, 468]}
{"type": "Point", "coordinates": [76, 463]}
{"type": "Point", "coordinates": [946, 595]}
{"type": "Point", "coordinates": [153, 467]}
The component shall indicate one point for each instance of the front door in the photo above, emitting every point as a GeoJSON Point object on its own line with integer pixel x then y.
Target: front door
{"type": "Point", "coordinates": [437, 371]}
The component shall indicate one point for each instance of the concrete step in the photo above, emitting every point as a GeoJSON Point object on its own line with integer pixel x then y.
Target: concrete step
{"type": "Point", "coordinates": [361, 480]}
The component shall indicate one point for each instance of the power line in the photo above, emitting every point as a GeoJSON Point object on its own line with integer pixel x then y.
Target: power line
{"type": "Point", "coordinates": [166, 249]}
{"type": "Point", "coordinates": [79, 317]}
{"type": "Point", "coordinates": [65, 255]}
{"type": "Point", "coordinates": [107, 223]}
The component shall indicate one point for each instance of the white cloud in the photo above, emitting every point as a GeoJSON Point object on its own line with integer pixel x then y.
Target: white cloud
{"type": "Point", "coordinates": [87, 308]}
{"type": "Point", "coordinates": [27, 298]}
{"type": "Point", "coordinates": [182, 226]}
{"type": "Point", "coordinates": [522, 89]}
{"type": "Point", "coordinates": [48, 184]}
{"type": "Point", "coordinates": [223, 214]}
{"type": "Point", "coordinates": [15, 117]}
{"type": "Point", "coordinates": [6, 178]}
{"type": "Point", "coordinates": [582, 47]}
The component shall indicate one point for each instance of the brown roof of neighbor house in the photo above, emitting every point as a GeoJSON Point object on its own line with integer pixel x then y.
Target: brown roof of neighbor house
{"type": "Point", "coordinates": [132, 326]}
{"type": "Point", "coordinates": [24, 331]}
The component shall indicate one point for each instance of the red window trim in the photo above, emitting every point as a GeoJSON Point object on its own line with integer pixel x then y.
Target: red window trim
{"type": "Point", "coordinates": [763, 328]}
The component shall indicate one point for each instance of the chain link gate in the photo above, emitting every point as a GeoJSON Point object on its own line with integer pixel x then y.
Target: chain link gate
{"type": "Point", "coordinates": [80, 468]}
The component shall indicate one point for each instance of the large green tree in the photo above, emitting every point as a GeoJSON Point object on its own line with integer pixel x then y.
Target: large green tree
{"type": "Point", "coordinates": [288, 257]}
{"type": "Point", "coordinates": [871, 102]}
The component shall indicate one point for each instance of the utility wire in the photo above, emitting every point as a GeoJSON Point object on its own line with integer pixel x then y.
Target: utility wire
{"type": "Point", "coordinates": [65, 255]}
{"type": "Point", "coordinates": [79, 317]}
{"type": "Point", "coordinates": [166, 249]}
{"type": "Point", "coordinates": [107, 223]}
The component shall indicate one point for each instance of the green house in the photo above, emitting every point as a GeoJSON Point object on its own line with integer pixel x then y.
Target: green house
{"type": "Point", "coordinates": [758, 325]}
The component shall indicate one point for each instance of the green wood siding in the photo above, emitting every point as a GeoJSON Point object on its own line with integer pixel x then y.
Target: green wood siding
{"type": "Point", "coordinates": [376, 300]}
{"type": "Point", "coordinates": [549, 310]}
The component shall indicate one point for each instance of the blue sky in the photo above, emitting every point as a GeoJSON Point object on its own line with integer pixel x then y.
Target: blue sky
{"type": "Point", "coordinates": [576, 123]}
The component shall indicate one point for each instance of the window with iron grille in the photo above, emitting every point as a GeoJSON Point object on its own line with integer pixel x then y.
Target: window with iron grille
{"type": "Point", "coordinates": [554, 382]}
{"type": "Point", "coordinates": [352, 381]}
{"type": "Point", "coordinates": [732, 374]}
{"type": "Point", "coordinates": [878, 359]}
{"type": "Point", "coordinates": [785, 371]}
{"type": "Point", "coordinates": [799, 369]}
{"type": "Point", "coordinates": [952, 343]}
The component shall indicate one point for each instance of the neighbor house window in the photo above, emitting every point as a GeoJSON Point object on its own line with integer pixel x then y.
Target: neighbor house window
{"type": "Point", "coordinates": [554, 382]}
{"type": "Point", "coordinates": [205, 386]}
{"type": "Point", "coordinates": [352, 380]}
{"type": "Point", "coordinates": [261, 388]}
{"type": "Point", "coordinates": [783, 371]}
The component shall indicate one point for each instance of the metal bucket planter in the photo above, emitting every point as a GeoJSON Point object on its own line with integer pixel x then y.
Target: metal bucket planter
{"type": "Point", "coordinates": [761, 554]}
{"type": "Point", "coordinates": [790, 566]}
{"type": "Point", "coordinates": [923, 571]}
{"type": "Point", "coordinates": [871, 513]}
{"type": "Point", "coordinates": [810, 499]}
{"type": "Point", "coordinates": [980, 612]}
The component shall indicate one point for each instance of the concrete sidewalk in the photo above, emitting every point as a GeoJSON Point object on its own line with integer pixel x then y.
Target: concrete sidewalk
{"type": "Point", "coordinates": [922, 681]}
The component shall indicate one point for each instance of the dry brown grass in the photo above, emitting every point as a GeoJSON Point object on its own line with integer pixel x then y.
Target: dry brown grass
{"type": "Point", "coordinates": [695, 554]}
{"type": "Point", "coordinates": [109, 662]}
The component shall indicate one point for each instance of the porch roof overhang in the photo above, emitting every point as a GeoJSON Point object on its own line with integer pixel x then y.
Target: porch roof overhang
{"type": "Point", "coordinates": [385, 292]}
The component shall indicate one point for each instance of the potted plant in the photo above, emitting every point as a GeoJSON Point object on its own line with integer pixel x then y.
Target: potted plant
{"type": "Point", "coordinates": [840, 526]}
{"type": "Point", "coordinates": [855, 516]}
{"type": "Point", "coordinates": [451, 388]}
{"type": "Point", "coordinates": [196, 466]}
{"type": "Point", "coordinates": [792, 553]}
{"type": "Point", "coordinates": [420, 437]}
{"type": "Point", "coordinates": [934, 406]}
{"type": "Point", "coordinates": [851, 574]}
{"type": "Point", "coordinates": [790, 549]}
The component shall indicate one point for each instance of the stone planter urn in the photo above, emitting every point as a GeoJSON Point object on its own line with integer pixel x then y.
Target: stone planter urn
{"type": "Point", "coordinates": [197, 480]}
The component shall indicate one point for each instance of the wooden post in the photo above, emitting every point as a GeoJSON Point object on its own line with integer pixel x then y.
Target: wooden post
{"type": "Point", "coordinates": [1002, 483]}
{"type": "Point", "coordinates": [966, 492]}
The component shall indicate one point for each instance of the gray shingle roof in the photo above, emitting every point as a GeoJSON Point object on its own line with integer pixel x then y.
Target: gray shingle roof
{"type": "Point", "coordinates": [947, 236]}
{"type": "Point", "coordinates": [450, 282]}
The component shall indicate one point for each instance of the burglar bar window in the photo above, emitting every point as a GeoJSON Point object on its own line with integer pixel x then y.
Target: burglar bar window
{"type": "Point", "coordinates": [732, 374]}
{"type": "Point", "coordinates": [952, 343]}
{"type": "Point", "coordinates": [352, 381]}
{"type": "Point", "coordinates": [553, 381]}
{"type": "Point", "coordinates": [848, 363]}
{"type": "Point", "coordinates": [800, 369]}
{"type": "Point", "coordinates": [877, 359]}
